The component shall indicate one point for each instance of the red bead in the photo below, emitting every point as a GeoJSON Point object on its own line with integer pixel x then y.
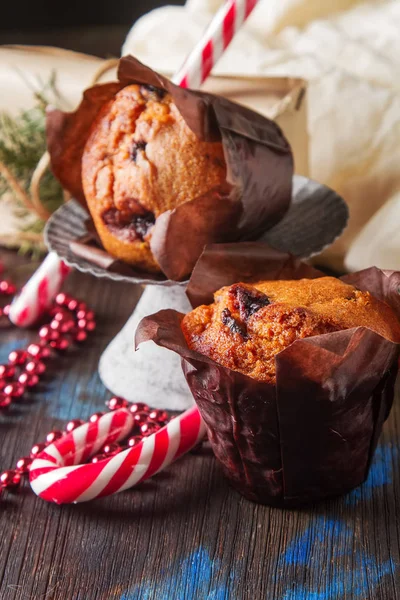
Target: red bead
{"type": "Point", "coordinates": [15, 389]}
{"type": "Point", "coordinates": [116, 402]}
{"type": "Point", "coordinates": [149, 428]}
{"type": "Point", "coordinates": [62, 299]}
{"type": "Point", "coordinates": [160, 416]}
{"type": "Point", "coordinates": [67, 326]}
{"type": "Point", "coordinates": [73, 425]}
{"type": "Point", "coordinates": [141, 417]}
{"type": "Point", "coordinates": [90, 325]}
{"type": "Point", "coordinates": [5, 401]}
{"type": "Point", "coordinates": [35, 367]}
{"type": "Point", "coordinates": [55, 325]}
{"type": "Point", "coordinates": [99, 457]}
{"type": "Point", "coordinates": [95, 417]}
{"type": "Point", "coordinates": [81, 306]}
{"type": "Point", "coordinates": [72, 304]}
{"type": "Point", "coordinates": [81, 324]}
{"type": "Point", "coordinates": [3, 383]}
{"type": "Point", "coordinates": [85, 314]}
{"type": "Point", "coordinates": [7, 371]}
{"type": "Point", "coordinates": [17, 357]}
{"type": "Point", "coordinates": [45, 332]}
{"type": "Point", "coordinates": [7, 288]}
{"type": "Point", "coordinates": [62, 344]}
{"type": "Point", "coordinates": [134, 441]}
{"type": "Point", "coordinates": [80, 336]}
{"type": "Point", "coordinates": [53, 436]}
{"type": "Point", "coordinates": [10, 479]}
{"type": "Point", "coordinates": [59, 314]}
{"type": "Point", "coordinates": [37, 449]}
{"type": "Point", "coordinates": [6, 310]}
{"type": "Point", "coordinates": [23, 464]}
{"type": "Point", "coordinates": [28, 380]}
{"type": "Point", "coordinates": [38, 351]}
{"type": "Point", "coordinates": [138, 407]}
{"type": "Point", "coordinates": [110, 449]}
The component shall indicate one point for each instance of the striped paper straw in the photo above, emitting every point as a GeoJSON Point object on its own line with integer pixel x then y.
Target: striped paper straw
{"type": "Point", "coordinates": [212, 45]}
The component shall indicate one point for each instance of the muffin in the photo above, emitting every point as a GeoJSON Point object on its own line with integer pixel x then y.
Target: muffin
{"type": "Point", "coordinates": [140, 160]}
{"type": "Point", "coordinates": [248, 325]}
{"type": "Point", "coordinates": [164, 170]}
{"type": "Point", "coordinates": [294, 376]}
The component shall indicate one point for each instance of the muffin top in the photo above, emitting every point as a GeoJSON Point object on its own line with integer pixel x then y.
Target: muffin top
{"type": "Point", "coordinates": [140, 160]}
{"type": "Point", "coordinates": [247, 325]}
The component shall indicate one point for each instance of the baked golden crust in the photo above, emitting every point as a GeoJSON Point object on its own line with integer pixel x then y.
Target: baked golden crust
{"type": "Point", "coordinates": [248, 325]}
{"type": "Point", "coordinates": [140, 160]}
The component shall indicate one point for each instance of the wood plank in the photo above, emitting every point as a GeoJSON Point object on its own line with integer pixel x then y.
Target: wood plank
{"type": "Point", "coordinates": [185, 534]}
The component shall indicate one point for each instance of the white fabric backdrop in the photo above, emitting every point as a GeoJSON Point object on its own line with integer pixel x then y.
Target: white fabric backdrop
{"type": "Point", "coordinates": [350, 53]}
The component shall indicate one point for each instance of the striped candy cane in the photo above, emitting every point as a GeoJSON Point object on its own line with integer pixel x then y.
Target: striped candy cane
{"type": "Point", "coordinates": [212, 45]}
{"type": "Point", "coordinates": [56, 475]}
{"type": "Point", "coordinates": [38, 294]}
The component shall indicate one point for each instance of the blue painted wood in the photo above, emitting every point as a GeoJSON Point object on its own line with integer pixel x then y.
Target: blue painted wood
{"type": "Point", "coordinates": [185, 535]}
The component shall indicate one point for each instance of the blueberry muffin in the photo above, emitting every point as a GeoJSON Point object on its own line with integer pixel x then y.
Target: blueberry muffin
{"type": "Point", "coordinates": [248, 325]}
{"type": "Point", "coordinates": [140, 160]}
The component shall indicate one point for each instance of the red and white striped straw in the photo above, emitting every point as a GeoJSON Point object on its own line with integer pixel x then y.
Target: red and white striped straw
{"type": "Point", "coordinates": [56, 475]}
{"type": "Point", "coordinates": [212, 45]}
{"type": "Point", "coordinates": [38, 294]}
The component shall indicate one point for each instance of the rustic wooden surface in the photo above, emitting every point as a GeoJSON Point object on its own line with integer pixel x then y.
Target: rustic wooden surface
{"type": "Point", "coordinates": [184, 535]}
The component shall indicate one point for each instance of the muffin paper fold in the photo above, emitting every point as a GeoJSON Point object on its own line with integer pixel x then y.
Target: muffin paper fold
{"type": "Point", "coordinates": [259, 161]}
{"type": "Point", "coordinates": [313, 434]}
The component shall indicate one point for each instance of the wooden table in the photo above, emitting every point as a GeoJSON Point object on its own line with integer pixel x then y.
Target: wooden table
{"type": "Point", "coordinates": [185, 535]}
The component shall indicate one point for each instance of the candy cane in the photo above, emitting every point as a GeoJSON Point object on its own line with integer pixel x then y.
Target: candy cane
{"type": "Point", "coordinates": [56, 475]}
{"type": "Point", "coordinates": [38, 294]}
{"type": "Point", "coordinates": [219, 34]}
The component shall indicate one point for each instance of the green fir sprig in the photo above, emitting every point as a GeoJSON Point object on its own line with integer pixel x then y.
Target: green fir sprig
{"type": "Point", "coordinates": [22, 144]}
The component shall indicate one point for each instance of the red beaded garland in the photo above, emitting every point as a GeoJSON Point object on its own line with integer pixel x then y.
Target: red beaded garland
{"type": "Point", "coordinates": [17, 357]}
{"type": "Point", "coordinates": [138, 407]}
{"type": "Point", "coordinates": [74, 424]}
{"type": "Point", "coordinates": [95, 417]}
{"type": "Point", "coordinates": [15, 389]}
{"type": "Point", "coordinates": [110, 449]}
{"type": "Point", "coordinates": [148, 428]}
{"type": "Point", "coordinates": [37, 449]}
{"type": "Point", "coordinates": [5, 400]}
{"type": "Point", "coordinates": [28, 380]}
{"type": "Point", "coordinates": [23, 464]}
{"type": "Point", "coordinates": [10, 479]}
{"type": "Point", "coordinates": [25, 366]}
{"type": "Point", "coordinates": [141, 417]}
{"type": "Point", "coordinates": [134, 441]}
{"type": "Point", "coordinates": [116, 402]}
{"type": "Point", "coordinates": [35, 367]}
{"type": "Point", "coordinates": [53, 436]}
{"type": "Point", "coordinates": [7, 371]}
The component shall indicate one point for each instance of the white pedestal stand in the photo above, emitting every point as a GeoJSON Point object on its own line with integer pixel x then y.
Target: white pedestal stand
{"type": "Point", "coordinates": [152, 374]}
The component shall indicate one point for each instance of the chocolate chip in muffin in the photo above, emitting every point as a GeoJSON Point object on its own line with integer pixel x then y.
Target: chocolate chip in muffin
{"type": "Point", "coordinates": [142, 223]}
{"type": "Point", "coordinates": [128, 226]}
{"type": "Point", "coordinates": [232, 323]}
{"type": "Point", "coordinates": [137, 146]}
{"type": "Point", "coordinates": [248, 301]}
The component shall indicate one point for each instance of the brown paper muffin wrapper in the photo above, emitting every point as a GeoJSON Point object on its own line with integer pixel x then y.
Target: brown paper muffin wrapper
{"type": "Point", "coordinates": [259, 167]}
{"type": "Point", "coordinates": [313, 434]}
